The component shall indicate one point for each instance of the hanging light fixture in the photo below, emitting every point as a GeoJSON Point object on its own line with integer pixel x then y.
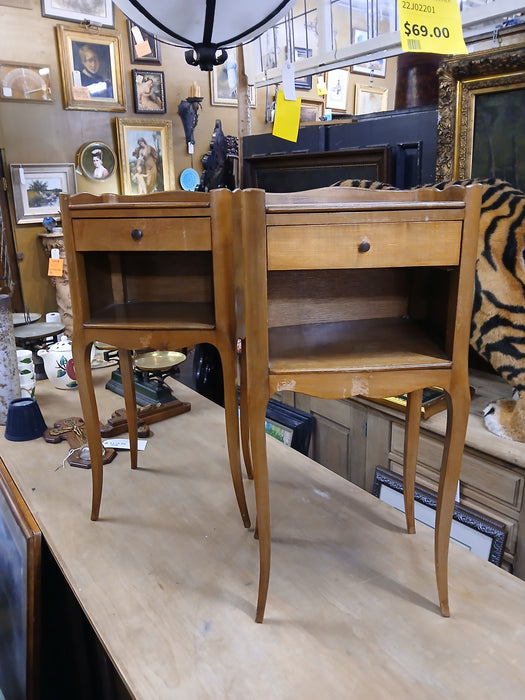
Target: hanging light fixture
{"type": "Point", "coordinates": [206, 27]}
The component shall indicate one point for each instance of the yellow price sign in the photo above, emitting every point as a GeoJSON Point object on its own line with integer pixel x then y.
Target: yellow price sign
{"type": "Point", "coordinates": [432, 26]}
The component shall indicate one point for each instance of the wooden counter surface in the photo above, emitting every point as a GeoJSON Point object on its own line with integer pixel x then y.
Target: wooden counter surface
{"type": "Point", "coordinates": [168, 575]}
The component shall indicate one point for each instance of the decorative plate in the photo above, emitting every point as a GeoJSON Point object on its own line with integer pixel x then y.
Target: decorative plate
{"type": "Point", "coordinates": [189, 179]}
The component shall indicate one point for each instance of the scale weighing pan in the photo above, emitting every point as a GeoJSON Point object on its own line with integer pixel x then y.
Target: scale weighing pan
{"type": "Point", "coordinates": [159, 360]}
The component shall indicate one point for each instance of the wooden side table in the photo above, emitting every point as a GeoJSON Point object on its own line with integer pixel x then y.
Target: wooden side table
{"type": "Point", "coordinates": [153, 272]}
{"type": "Point", "coordinates": [348, 292]}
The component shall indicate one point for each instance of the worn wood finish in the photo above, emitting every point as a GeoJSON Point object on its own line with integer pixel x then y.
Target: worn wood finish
{"type": "Point", "coordinates": [152, 272]}
{"type": "Point", "coordinates": [167, 577]}
{"type": "Point", "coordinates": [355, 230]}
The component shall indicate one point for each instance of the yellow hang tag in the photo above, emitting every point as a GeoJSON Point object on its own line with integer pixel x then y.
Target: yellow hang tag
{"type": "Point", "coordinates": [287, 116]}
{"type": "Point", "coordinates": [55, 267]}
{"type": "Point", "coordinates": [432, 26]}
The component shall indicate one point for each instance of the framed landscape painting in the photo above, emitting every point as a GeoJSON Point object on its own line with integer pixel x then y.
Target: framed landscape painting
{"type": "Point", "coordinates": [36, 189]}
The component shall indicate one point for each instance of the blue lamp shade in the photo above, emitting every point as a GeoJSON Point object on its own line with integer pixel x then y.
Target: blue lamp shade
{"type": "Point", "coordinates": [206, 27]}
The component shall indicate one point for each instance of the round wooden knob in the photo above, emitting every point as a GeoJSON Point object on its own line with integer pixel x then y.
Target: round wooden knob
{"type": "Point", "coordinates": [136, 234]}
{"type": "Point", "coordinates": [364, 247]}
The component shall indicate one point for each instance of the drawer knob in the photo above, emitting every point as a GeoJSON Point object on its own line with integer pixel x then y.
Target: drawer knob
{"type": "Point", "coordinates": [364, 247]}
{"type": "Point", "coordinates": [136, 234]}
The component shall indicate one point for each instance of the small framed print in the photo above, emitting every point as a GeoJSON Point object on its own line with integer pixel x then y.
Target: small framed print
{"type": "Point", "coordinates": [99, 13]}
{"type": "Point", "coordinates": [96, 161]}
{"type": "Point", "coordinates": [306, 82]}
{"type": "Point", "coordinates": [223, 83]}
{"type": "Point", "coordinates": [336, 88]}
{"type": "Point", "coordinates": [370, 99]}
{"type": "Point", "coordinates": [143, 47]}
{"type": "Point", "coordinates": [149, 91]}
{"type": "Point", "coordinates": [36, 189]}
{"type": "Point", "coordinates": [311, 110]}
{"type": "Point", "coordinates": [25, 82]}
{"type": "Point", "coordinates": [91, 69]}
{"type": "Point", "coordinates": [376, 68]}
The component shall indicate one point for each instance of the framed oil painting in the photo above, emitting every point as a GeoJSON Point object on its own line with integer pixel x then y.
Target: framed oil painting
{"type": "Point", "coordinates": [223, 85]}
{"type": "Point", "coordinates": [36, 189]}
{"type": "Point", "coordinates": [25, 82]}
{"type": "Point", "coordinates": [149, 92]}
{"type": "Point", "coordinates": [370, 99]}
{"type": "Point", "coordinates": [96, 161]}
{"type": "Point", "coordinates": [91, 70]}
{"type": "Point", "coordinates": [143, 47]}
{"type": "Point", "coordinates": [481, 130]}
{"type": "Point", "coordinates": [146, 155]}
{"type": "Point", "coordinates": [20, 577]}
{"type": "Point", "coordinates": [97, 12]}
{"type": "Point", "coordinates": [476, 532]}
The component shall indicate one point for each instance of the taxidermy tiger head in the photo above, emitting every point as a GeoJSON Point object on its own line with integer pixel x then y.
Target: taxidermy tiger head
{"type": "Point", "coordinates": [498, 314]}
{"type": "Point", "coordinates": [506, 417]}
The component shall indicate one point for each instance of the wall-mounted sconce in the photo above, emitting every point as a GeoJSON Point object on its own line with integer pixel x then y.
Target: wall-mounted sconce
{"type": "Point", "coordinates": [205, 31]}
{"type": "Point", "coordinates": [189, 113]}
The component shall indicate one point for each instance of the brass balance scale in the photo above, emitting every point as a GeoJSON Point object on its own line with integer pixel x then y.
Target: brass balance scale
{"type": "Point", "coordinates": [151, 369]}
{"type": "Point", "coordinates": [154, 398]}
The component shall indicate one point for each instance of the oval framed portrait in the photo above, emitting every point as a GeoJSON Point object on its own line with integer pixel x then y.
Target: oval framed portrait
{"type": "Point", "coordinates": [96, 160]}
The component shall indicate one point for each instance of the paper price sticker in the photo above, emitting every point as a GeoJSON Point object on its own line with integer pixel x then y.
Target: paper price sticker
{"type": "Point", "coordinates": [55, 267]}
{"type": "Point", "coordinates": [432, 26]}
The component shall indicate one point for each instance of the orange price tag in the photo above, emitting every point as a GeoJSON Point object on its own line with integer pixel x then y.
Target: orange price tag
{"type": "Point", "coordinates": [143, 49]}
{"type": "Point", "coordinates": [55, 267]}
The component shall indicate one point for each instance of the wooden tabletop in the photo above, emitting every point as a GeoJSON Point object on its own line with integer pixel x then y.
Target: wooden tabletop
{"type": "Point", "coordinates": [168, 575]}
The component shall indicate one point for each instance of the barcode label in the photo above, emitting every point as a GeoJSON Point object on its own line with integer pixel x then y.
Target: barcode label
{"type": "Point", "coordinates": [414, 44]}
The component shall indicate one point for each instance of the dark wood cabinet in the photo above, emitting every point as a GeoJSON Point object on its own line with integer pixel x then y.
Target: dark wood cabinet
{"type": "Point", "coordinates": [397, 147]}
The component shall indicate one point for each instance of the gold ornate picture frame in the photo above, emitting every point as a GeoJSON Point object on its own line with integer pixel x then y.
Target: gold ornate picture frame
{"type": "Point", "coordinates": [91, 69]}
{"type": "Point", "coordinates": [146, 155]}
{"type": "Point", "coordinates": [481, 128]}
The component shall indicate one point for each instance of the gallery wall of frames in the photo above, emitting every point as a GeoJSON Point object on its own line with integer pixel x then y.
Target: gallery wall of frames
{"type": "Point", "coordinates": [75, 99]}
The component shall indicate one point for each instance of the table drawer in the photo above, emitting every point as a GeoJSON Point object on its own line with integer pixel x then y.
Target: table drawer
{"type": "Point", "coordinates": [367, 245]}
{"type": "Point", "coordinates": [156, 234]}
